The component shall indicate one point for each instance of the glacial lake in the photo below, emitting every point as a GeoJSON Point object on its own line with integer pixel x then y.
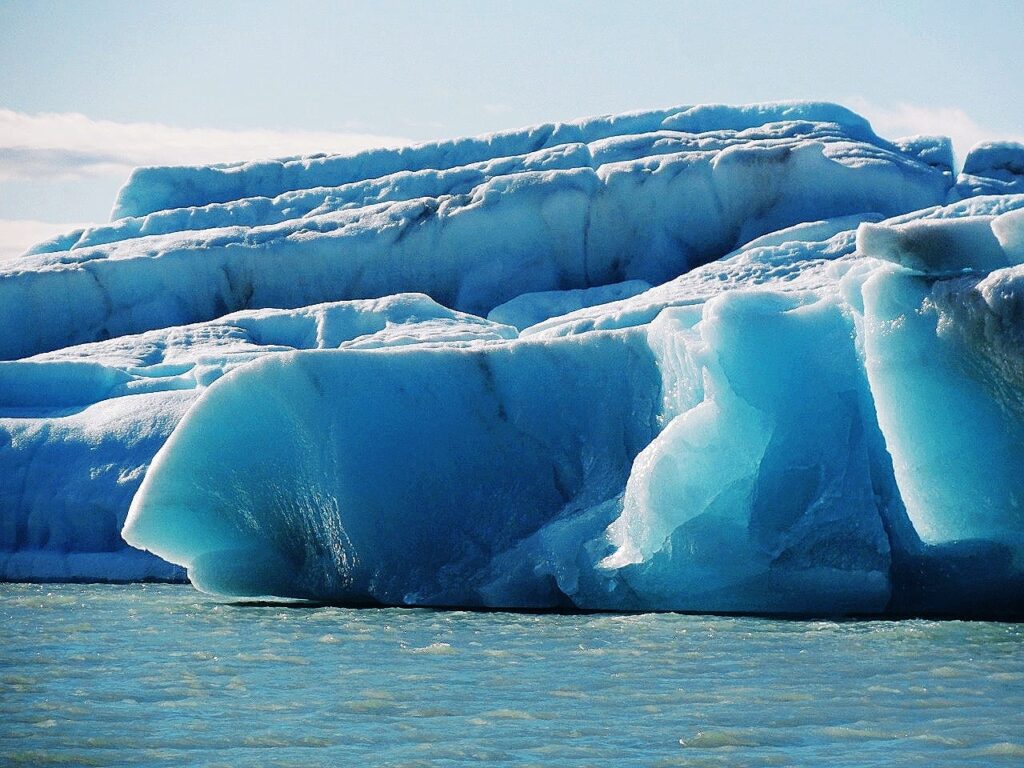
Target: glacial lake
{"type": "Point", "coordinates": [165, 675]}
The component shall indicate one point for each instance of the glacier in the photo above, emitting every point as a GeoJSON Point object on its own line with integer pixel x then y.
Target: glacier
{"type": "Point", "coordinates": [731, 359]}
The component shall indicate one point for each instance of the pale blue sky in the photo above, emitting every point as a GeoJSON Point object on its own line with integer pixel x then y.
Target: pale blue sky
{"type": "Point", "coordinates": [314, 70]}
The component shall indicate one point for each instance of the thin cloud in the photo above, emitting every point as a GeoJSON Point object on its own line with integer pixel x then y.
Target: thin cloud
{"type": "Point", "coordinates": [57, 163]}
{"type": "Point", "coordinates": [906, 119]}
{"type": "Point", "coordinates": [18, 235]}
{"type": "Point", "coordinates": [498, 109]}
{"type": "Point", "coordinates": [70, 145]}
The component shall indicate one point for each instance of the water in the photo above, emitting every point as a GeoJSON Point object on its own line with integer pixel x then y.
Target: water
{"type": "Point", "coordinates": [163, 675]}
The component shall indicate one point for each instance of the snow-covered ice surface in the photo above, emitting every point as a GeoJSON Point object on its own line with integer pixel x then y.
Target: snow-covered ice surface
{"type": "Point", "coordinates": [818, 407]}
{"type": "Point", "coordinates": [991, 168]}
{"type": "Point", "coordinates": [473, 223]}
{"type": "Point", "coordinates": [529, 309]}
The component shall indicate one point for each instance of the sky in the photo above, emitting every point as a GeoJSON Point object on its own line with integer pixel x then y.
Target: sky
{"type": "Point", "coordinates": [89, 90]}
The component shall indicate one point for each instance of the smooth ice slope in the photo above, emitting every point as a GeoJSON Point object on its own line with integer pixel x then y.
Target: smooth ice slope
{"type": "Point", "coordinates": [472, 223]}
{"type": "Point", "coordinates": [528, 309]}
{"type": "Point", "coordinates": [393, 477]}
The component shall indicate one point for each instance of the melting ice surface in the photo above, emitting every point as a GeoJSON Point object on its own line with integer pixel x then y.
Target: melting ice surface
{"type": "Point", "coordinates": [817, 408]}
{"type": "Point", "coordinates": [160, 675]}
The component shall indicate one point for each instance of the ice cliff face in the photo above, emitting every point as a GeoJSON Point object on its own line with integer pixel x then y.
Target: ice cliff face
{"type": "Point", "coordinates": [816, 409]}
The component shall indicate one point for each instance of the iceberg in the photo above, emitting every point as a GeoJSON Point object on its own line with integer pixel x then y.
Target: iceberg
{"type": "Point", "coordinates": [154, 189]}
{"type": "Point", "coordinates": [731, 359]}
{"type": "Point", "coordinates": [752, 462]}
{"type": "Point", "coordinates": [79, 426]}
{"type": "Point", "coordinates": [641, 197]}
{"type": "Point", "coordinates": [463, 453]}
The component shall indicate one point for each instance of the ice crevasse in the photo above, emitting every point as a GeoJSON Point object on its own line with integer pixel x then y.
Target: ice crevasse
{"type": "Point", "coordinates": [817, 408]}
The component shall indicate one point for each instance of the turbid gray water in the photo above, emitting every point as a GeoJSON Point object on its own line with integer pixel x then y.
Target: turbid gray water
{"type": "Point", "coordinates": [164, 675]}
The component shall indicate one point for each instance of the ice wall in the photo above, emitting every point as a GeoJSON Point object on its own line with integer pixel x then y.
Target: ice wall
{"type": "Point", "coordinates": [945, 359]}
{"type": "Point", "coordinates": [472, 223]}
{"type": "Point", "coordinates": [160, 188]}
{"type": "Point", "coordinates": [392, 477]}
{"type": "Point", "coordinates": [764, 492]}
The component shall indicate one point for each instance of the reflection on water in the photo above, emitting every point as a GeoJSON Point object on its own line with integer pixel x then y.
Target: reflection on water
{"type": "Point", "coordinates": [163, 675]}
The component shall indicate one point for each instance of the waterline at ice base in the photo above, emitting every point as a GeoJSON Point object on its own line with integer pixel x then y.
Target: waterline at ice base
{"type": "Point", "coordinates": [724, 359]}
